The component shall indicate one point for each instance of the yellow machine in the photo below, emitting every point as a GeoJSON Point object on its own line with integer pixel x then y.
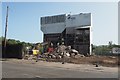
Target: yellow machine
{"type": "Point", "coordinates": [35, 52]}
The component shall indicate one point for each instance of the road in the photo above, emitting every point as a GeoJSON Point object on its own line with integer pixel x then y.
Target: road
{"type": "Point", "coordinates": [31, 69]}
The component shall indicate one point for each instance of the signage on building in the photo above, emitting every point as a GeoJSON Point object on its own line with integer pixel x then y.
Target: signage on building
{"type": "Point", "coordinates": [78, 20]}
{"type": "Point", "coordinates": [70, 17]}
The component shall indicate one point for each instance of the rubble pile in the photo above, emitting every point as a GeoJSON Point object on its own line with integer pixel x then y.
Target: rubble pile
{"type": "Point", "coordinates": [62, 51]}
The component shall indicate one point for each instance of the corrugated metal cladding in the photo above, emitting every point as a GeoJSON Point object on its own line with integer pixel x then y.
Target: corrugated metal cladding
{"type": "Point", "coordinates": [53, 19]}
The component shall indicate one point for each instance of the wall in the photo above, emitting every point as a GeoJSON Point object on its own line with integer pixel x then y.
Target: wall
{"type": "Point", "coordinates": [78, 20]}
{"type": "Point", "coordinates": [53, 28]}
{"type": "Point", "coordinates": [12, 51]}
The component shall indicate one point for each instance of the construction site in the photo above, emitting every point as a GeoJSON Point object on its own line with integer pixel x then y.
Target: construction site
{"type": "Point", "coordinates": [73, 30]}
{"type": "Point", "coordinates": [66, 38]}
{"type": "Point", "coordinates": [64, 49]}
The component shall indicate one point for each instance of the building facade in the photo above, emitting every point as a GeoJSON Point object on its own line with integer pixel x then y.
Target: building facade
{"type": "Point", "coordinates": [75, 30]}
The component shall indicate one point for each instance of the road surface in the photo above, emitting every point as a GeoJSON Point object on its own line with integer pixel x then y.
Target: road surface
{"type": "Point", "coordinates": [31, 69]}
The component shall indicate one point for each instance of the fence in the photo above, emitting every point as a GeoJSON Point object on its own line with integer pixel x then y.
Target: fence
{"type": "Point", "coordinates": [13, 51]}
{"type": "Point", "coordinates": [104, 52]}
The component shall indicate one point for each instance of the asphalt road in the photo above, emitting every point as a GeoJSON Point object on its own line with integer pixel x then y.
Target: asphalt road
{"type": "Point", "coordinates": [31, 69]}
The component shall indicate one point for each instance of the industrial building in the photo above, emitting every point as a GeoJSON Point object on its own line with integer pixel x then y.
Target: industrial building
{"type": "Point", "coordinates": [74, 30]}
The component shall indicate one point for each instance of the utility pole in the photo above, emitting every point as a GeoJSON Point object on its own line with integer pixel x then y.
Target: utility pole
{"type": "Point", "coordinates": [5, 32]}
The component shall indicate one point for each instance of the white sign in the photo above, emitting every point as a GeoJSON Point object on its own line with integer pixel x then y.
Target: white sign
{"type": "Point", "coordinates": [116, 50]}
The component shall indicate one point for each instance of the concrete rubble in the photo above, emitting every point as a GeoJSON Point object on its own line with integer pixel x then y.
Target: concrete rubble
{"type": "Point", "coordinates": [62, 51]}
{"type": "Point", "coordinates": [66, 54]}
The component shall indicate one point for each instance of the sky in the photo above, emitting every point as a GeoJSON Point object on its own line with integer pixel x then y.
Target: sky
{"type": "Point", "coordinates": [119, 23]}
{"type": "Point", "coordinates": [24, 19]}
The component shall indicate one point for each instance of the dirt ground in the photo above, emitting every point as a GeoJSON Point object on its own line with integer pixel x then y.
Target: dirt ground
{"type": "Point", "coordinates": [109, 61]}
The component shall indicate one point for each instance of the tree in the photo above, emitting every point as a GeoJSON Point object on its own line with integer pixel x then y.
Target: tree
{"type": "Point", "coordinates": [110, 44]}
